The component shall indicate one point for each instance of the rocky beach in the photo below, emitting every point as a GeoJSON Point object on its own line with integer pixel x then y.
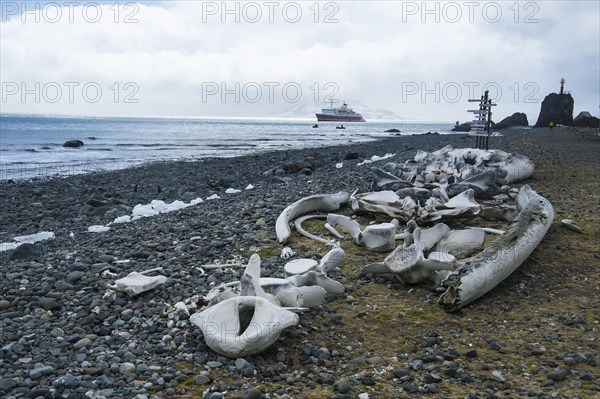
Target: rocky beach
{"type": "Point", "coordinates": [63, 335]}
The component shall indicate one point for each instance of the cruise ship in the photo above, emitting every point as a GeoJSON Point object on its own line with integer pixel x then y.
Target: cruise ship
{"type": "Point", "coordinates": [341, 114]}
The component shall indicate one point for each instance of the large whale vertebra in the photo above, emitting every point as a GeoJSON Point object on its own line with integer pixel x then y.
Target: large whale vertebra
{"type": "Point", "coordinates": [243, 325]}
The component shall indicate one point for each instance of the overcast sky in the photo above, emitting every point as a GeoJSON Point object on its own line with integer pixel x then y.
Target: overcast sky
{"type": "Point", "coordinates": [203, 59]}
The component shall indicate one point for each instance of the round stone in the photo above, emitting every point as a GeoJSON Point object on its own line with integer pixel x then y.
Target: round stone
{"type": "Point", "coordinates": [344, 387]}
{"type": "Point", "coordinates": [252, 393]}
{"type": "Point", "coordinates": [126, 368]}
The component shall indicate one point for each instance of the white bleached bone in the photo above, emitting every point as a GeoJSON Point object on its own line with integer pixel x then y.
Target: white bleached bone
{"type": "Point", "coordinates": [250, 281]}
{"type": "Point", "coordinates": [333, 231]}
{"type": "Point", "coordinates": [331, 260]}
{"type": "Point", "coordinates": [463, 207]}
{"type": "Point", "coordinates": [243, 325]}
{"type": "Point", "coordinates": [482, 272]}
{"type": "Point", "coordinates": [317, 278]}
{"type": "Point", "coordinates": [287, 253]}
{"type": "Point", "coordinates": [461, 242]}
{"type": "Point", "coordinates": [347, 224]}
{"type": "Point", "coordinates": [377, 237]}
{"type": "Point", "coordinates": [323, 203]}
{"type": "Point", "coordinates": [135, 283]}
{"type": "Point", "coordinates": [380, 237]}
{"type": "Point", "coordinates": [386, 202]}
{"type": "Point", "coordinates": [299, 266]}
{"type": "Point", "coordinates": [409, 263]}
{"type": "Point", "coordinates": [298, 297]}
{"type": "Point", "coordinates": [298, 224]}
{"type": "Point", "coordinates": [570, 224]}
{"type": "Point", "coordinates": [431, 236]}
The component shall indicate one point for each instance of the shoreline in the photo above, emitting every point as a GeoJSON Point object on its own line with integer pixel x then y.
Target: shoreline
{"type": "Point", "coordinates": [541, 319]}
{"type": "Point", "coordinates": [30, 151]}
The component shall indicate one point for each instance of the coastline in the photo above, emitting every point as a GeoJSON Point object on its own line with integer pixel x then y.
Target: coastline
{"type": "Point", "coordinates": [549, 303]}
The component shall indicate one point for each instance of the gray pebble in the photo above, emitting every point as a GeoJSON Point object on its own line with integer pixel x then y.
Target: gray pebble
{"type": "Point", "coordinates": [201, 379]}
{"type": "Point", "coordinates": [241, 364]}
{"type": "Point", "coordinates": [39, 372]}
{"type": "Point", "coordinates": [558, 375]}
{"type": "Point", "coordinates": [344, 387]}
{"type": "Point", "coordinates": [126, 368]}
{"type": "Point", "coordinates": [252, 393]}
{"type": "Point", "coordinates": [74, 276]}
{"type": "Point", "coordinates": [83, 343]}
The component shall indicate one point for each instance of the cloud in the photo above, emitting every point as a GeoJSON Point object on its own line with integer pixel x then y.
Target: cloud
{"type": "Point", "coordinates": [172, 51]}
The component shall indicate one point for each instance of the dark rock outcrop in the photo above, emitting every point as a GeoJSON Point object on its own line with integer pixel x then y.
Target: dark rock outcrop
{"type": "Point", "coordinates": [392, 131]}
{"type": "Point", "coordinates": [516, 119]}
{"type": "Point", "coordinates": [557, 108]}
{"type": "Point", "coordinates": [73, 144]}
{"type": "Point", "coordinates": [294, 167]}
{"type": "Point", "coordinates": [465, 127]}
{"type": "Point", "coordinates": [25, 251]}
{"type": "Point", "coordinates": [585, 119]}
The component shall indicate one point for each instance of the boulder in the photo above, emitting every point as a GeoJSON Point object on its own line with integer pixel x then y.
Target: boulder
{"type": "Point", "coordinates": [557, 108]}
{"type": "Point", "coordinates": [465, 127]}
{"type": "Point", "coordinates": [516, 119]}
{"type": "Point", "coordinates": [73, 144]}
{"type": "Point", "coordinates": [392, 131]}
{"type": "Point", "coordinates": [585, 119]}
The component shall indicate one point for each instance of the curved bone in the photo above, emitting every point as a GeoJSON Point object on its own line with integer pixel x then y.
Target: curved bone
{"type": "Point", "coordinates": [484, 271]}
{"type": "Point", "coordinates": [333, 231]}
{"type": "Point", "coordinates": [243, 325]}
{"type": "Point", "coordinates": [347, 224]}
{"type": "Point", "coordinates": [324, 203]}
{"type": "Point", "coordinates": [298, 224]}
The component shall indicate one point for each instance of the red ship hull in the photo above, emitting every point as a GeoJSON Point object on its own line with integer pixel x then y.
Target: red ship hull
{"type": "Point", "coordinates": [339, 118]}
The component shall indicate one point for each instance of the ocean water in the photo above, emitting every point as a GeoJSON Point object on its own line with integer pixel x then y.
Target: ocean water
{"type": "Point", "coordinates": [32, 145]}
